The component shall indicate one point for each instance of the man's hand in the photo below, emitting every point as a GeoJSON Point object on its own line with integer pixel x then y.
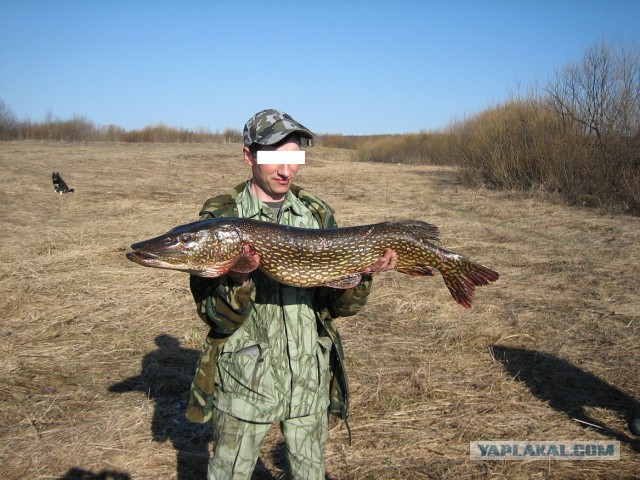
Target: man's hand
{"type": "Point", "coordinates": [249, 261]}
{"type": "Point", "coordinates": [386, 263]}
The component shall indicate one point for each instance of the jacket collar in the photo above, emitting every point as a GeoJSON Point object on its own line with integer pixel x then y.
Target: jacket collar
{"type": "Point", "coordinates": [252, 207]}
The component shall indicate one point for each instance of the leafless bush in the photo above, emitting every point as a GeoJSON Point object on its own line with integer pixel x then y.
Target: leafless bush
{"type": "Point", "coordinates": [232, 135]}
{"type": "Point", "coordinates": [509, 146]}
{"type": "Point", "coordinates": [413, 148]}
{"type": "Point", "coordinates": [338, 140]}
{"type": "Point", "coordinates": [578, 136]}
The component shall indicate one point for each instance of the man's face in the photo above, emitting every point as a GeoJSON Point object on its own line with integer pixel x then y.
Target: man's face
{"type": "Point", "coordinates": [270, 181]}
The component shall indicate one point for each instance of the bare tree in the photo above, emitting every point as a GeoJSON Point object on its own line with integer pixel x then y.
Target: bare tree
{"type": "Point", "coordinates": [601, 93]}
{"type": "Point", "coordinates": [597, 103]}
{"type": "Point", "coordinates": [8, 122]}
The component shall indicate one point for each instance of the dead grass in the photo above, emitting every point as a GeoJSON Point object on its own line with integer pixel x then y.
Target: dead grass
{"type": "Point", "coordinates": [97, 353]}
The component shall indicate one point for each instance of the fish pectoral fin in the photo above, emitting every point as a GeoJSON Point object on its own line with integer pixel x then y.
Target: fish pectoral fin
{"type": "Point", "coordinates": [348, 281]}
{"type": "Point", "coordinates": [243, 265]}
{"type": "Point", "coordinates": [211, 272]}
{"type": "Point", "coordinates": [246, 262]}
{"type": "Point", "coordinates": [215, 270]}
{"type": "Point", "coordinates": [416, 271]}
{"type": "Point", "coordinates": [207, 273]}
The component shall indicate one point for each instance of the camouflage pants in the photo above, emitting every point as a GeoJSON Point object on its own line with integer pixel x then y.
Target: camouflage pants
{"type": "Point", "coordinates": [237, 446]}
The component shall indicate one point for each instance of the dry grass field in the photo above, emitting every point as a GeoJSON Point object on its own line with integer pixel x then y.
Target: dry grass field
{"type": "Point", "coordinates": [97, 353]}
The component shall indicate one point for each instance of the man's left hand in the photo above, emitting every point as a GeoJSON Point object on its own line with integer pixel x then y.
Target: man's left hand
{"type": "Point", "coordinates": [386, 263]}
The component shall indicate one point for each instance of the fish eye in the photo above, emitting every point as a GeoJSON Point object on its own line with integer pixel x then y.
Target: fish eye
{"type": "Point", "coordinates": [185, 238]}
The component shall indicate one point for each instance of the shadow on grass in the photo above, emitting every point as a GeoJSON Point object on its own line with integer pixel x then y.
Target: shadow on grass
{"type": "Point", "coordinates": [261, 472]}
{"type": "Point", "coordinates": [568, 389]}
{"type": "Point", "coordinates": [81, 474]}
{"type": "Point", "coordinates": [165, 377]}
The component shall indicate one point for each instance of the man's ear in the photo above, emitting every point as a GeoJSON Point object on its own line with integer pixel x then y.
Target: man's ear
{"type": "Point", "coordinates": [248, 158]}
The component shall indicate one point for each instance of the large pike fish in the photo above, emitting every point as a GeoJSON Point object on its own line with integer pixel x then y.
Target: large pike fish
{"type": "Point", "coordinates": [304, 257]}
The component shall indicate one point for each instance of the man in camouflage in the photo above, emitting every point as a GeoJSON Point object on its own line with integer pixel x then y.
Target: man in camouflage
{"type": "Point", "coordinates": [272, 352]}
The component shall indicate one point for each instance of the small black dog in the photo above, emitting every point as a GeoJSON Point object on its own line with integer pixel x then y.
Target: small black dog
{"type": "Point", "coordinates": [59, 184]}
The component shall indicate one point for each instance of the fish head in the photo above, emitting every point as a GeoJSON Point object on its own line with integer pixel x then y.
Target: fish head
{"type": "Point", "coordinates": [207, 248]}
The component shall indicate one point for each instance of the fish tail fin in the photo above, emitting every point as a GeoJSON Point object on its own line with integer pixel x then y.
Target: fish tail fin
{"type": "Point", "coordinates": [462, 275]}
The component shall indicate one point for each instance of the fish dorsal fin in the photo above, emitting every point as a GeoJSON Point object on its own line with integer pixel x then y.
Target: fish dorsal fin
{"type": "Point", "coordinates": [423, 230]}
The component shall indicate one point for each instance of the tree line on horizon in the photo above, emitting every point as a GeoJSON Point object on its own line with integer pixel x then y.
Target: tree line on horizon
{"type": "Point", "coordinates": [577, 135]}
{"type": "Point", "coordinates": [80, 129]}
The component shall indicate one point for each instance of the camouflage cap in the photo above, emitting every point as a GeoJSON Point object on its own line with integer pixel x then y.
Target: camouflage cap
{"type": "Point", "coordinates": [270, 126]}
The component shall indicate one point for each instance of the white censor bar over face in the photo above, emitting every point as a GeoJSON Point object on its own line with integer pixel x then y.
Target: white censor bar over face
{"type": "Point", "coordinates": [279, 157]}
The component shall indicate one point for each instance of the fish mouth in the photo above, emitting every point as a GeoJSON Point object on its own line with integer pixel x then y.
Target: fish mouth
{"type": "Point", "coordinates": [143, 258]}
{"type": "Point", "coordinates": [160, 251]}
{"type": "Point", "coordinates": [147, 259]}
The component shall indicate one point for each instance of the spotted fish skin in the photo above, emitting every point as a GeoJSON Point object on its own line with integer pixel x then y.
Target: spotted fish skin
{"type": "Point", "coordinates": [309, 257]}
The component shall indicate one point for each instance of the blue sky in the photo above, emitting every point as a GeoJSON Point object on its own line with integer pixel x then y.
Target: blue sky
{"type": "Point", "coordinates": [351, 67]}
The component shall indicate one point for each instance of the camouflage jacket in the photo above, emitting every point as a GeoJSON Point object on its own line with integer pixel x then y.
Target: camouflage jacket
{"type": "Point", "coordinates": [225, 307]}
